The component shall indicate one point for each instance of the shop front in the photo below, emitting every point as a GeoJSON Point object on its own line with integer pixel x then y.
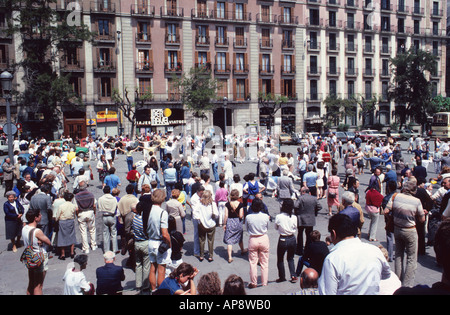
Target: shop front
{"type": "Point", "coordinates": [159, 120]}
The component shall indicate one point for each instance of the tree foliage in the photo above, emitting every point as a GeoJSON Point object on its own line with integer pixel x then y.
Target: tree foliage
{"type": "Point", "coordinates": [198, 91]}
{"type": "Point", "coordinates": [45, 37]}
{"type": "Point", "coordinates": [411, 89]}
{"type": "Point", "coordinates": [337, 109]}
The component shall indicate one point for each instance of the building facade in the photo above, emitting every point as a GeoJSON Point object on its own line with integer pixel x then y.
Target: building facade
{"type": "Point", "coordinates": [304, 50]}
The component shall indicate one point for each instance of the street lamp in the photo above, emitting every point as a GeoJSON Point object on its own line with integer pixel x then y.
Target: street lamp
{"type": "Point", "coordinates": [225, 103]}
{"type": "Point", "coordinates": [6, 79]}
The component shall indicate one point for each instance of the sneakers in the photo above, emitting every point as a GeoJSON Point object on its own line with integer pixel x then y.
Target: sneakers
{"type": "Point", "coordinates": [294, 279]}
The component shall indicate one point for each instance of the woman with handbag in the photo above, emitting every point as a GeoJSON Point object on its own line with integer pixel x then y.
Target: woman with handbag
{"type": "Point", "coordinates": [333, 191]}
{"type": "Point", "coordinates": [13, 219]}
{"type": "Point", "coordinates": [208, 213]}
{"type": "Point", "coordinates": [34, 237]}
{"type": "Point", "coordinates": [373, 204]}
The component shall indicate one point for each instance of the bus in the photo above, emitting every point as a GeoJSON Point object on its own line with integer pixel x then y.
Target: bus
{"type": "Point", "coordinates": [440, 126]}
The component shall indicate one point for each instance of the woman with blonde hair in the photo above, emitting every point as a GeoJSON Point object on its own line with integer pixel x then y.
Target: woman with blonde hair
{"type": "Point", "coordinates": [176, 209]}
{"type": "Point", "coordinates": [207, 224]}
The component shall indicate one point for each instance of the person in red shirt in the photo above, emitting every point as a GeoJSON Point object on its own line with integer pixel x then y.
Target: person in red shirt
{"type": "Point", "coordinates": [133, 177]}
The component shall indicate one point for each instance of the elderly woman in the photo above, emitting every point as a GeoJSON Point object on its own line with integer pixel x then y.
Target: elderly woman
{"type": "Point", "coordinates": [207, 225]}
{"type": "Point", "coordinates": [65, 217]}
{"type": "Point", "coordinates": [13, 222]}
{"type": "Point", "coordinates": [176, 209]}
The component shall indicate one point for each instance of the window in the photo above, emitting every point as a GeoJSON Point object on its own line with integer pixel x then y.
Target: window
{"type": "Point", "coordinates": [351, 66]}
{"type": "Point", "coordinates": [351, 42]}
{"type": "Point", "coordinates": [143, 31]}
{"type": "Point", "coordinates": [240, 89]}
{"type": "Point", "coordinates": [313, 90]}
{"type": "Point", "coordinates": [172, 33]}
{"type": "Point", "coordinates": [221, 61]}
{"type": "Point", "coordinates": [265, 63]}
{"type": "Point", "coordinates": [222, 88]}
{"type": "Point", "coordinates": [435, 28]}
{"type": "Point", "coordinates": [145, 86]}
{"type": "Point", "coordinates": [239, 13]}
{"type": "Point", "coordinates": [368, 90]}
{"type": "Point", "coordinates": [221, 35]}
{"type": "Point", "coordinates": [417, 6]}
{"type": "Point", "coordinates": [385, 66]}
{"type": "Point", "coordinates": [240, 62]}
{"type": "Point", "coordinates": [332, 42]}
{"type": "Point", "coordinates": [220, 13]}
{"type": "Point", "coordinates": [287, 17]}
{"type": "Point", "coordinates": [265, 35]}
{"type": "Point", "coordinates": [332, 65]}
{"type": "Point", "coordinates": [105, 87]}
{"type": "Point", "coordinates": [333, 88]}
{"type": "Point", "coordinates": [314, 16]}
{"type": "Point", "coordinates": [287, 63]}
{"type": "Point", "coordinates": [313, 64]}
{"type": "Point", "coordinates": [368, 68]}
{"type": "Point", "coordinates": [416, 26]}
{"type": "Point", "coordinates": [172, 61]}
{"type": "Point", "coordinates": [103, 27]}
{"type": "Point", "coordinates": [313, 40]}
{"type": "Point", "coordinates": [401, 25]}
{"type": "Point", "coordinates": [332, 18]}
{"type": "Point", "coordinates": [202, 58]}
{"type": "Point", "coordinates": [144, 59]}
{"type": "Point", "coordinates": [368, 43]}
{"type": "Point", "coordinates": [202, 34]}
{"type": "Point", "coordinates": [435, 8]}
{"type": "Point", "coordinates": [385, 45]}
{"type": "Point", "coordinates": [351, 89]}
{"type": "Point", "coordinates": [350, 20]}
{"type": "Point", "coordinates": [385, 23]}
{"type": "Point", "coordinates": [104, 57]}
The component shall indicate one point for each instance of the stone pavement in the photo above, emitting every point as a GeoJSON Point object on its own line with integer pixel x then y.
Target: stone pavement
{"type": "Point", "coordinates": [13, 275]}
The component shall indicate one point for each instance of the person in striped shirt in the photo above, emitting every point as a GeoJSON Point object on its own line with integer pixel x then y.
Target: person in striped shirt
{"type": "Point", "coordinates": [141, 250]}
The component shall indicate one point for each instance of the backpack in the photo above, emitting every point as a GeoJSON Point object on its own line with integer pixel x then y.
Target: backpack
{"type": "Point", "coordinates": [29, 257]}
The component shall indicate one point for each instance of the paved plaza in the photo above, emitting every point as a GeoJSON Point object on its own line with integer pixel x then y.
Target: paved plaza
{"type": "Point", "coordinates": [13, 274]}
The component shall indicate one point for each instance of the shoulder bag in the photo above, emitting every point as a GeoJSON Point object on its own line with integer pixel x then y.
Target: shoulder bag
{"type": "Point", "coordinates": [390, 217]}
{"type": "Point", "coordinates": [29, 257]}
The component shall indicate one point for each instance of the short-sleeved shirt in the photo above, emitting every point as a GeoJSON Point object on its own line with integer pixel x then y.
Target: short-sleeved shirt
{"type": "Point", "coordinates": [405, 210]}
{"type": "Point", "coordinates": [158, 219]}
{"type": "Point", "coordinates": [170, 284]}
{"type": "Point", "coordinates": [310, 178]}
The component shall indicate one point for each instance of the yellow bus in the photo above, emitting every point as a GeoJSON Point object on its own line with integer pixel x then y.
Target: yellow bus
{"type": "Point", "coordinates": [440, 126]}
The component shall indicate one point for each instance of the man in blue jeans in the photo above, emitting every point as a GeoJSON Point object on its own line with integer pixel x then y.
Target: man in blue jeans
{"type": "Point", "coordinates": [170, 179]}
{"type": "Point", "coordinates": [112, 180]}
{"type": "Point", "coordinates": [215, 165]}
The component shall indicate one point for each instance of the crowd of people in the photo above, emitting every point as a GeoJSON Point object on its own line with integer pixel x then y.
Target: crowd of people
{"type": "Point", "coordinates": [166, 191]}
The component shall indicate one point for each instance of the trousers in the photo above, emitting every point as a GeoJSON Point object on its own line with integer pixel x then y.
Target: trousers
{"type": "Point", "coordinates": [86, 221]}
{"type": "Point", "coordinates": [258, 251]}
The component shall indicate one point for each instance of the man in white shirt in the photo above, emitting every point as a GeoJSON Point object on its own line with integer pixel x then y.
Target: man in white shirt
{"type": "Point", "coordinates": [352, 267]}
{"type": "Point", "coordinates": [147, 177]}
{"type": "Point", "coordinates": [228, 170]}
{"type": "Point", "coordinates": [195, 206]}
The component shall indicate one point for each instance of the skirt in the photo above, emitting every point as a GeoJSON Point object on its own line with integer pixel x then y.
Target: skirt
{"type": "Point", "coordinates": [233, 232]}
{"type": "Point", "coordinates": [66, 233]}
{"type": "Point", "coordinates": [13, 229]}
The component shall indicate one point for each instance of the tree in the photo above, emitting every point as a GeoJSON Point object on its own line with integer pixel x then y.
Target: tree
{"type": "Point", "coordinates": [273, 103]}
{"type": "Point", "coordinates": [198, 91]}
{"type": "Point", "coordinates": [411, 90]}
{"type": "Point", "coordinates": [129, 108]}
{"type": "Point", "coordinates": [441, 103]}
{"type": "Point", "coordinates": [337, 109]}
{"type": "Point", "coordinates": [46, 36]}
{"type": "Point", "coordinates": [367, 106]}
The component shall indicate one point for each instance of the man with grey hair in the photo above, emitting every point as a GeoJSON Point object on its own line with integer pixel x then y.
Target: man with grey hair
{"type": "Point", "coordinates": [285, 186]}
{"type": "Point", "coordinates": [86, 216]}
{"type": "Point", "coordinates": [406, 210]}
{"type": "Point", "coordinates": [310, 179]}
{"type": "Point", "coordinates": [352, 209]}
{"type": "Point", "coordinates": [306, 209]}
{"type": "Point", "coordinates": [110, 276]}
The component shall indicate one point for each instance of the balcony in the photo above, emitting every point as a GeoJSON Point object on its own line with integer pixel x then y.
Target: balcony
{"type": "Point", "coordinates": [206, 66]}
{"type": "Point", "coordinates": [173, 67]}
{"type": "Point", "coordinates": [287, 20]}
{"type": "Point", "coordinates": [406, 30]}
{"type": "Point", "coordinates": [171, 13]}
{"type": "Point", "coordinates": [199, 14]}
{"type": "Point", "coordinates": [385, 73]}
{"type": "Point", "coordinates": [221, 42]}
{"type": "Point", "coordinates": [143, 10]}
{"type": "Point", "coordinates": [105, 37]}
{"type": "Point", "coordinates": [437, 14]}
{"type": "Point", "coordinates": [143, 39]}
{"type": "Point", "coordinates": [288, 44]}
{"type": "Point", "coordinates": [242, 69]}
{"type": "Point", "coordinates": [333, 24]}
{"type": "Point", "coordinates": [266, 43]}
{"type": "Point", "coordinates": [68, 65]}
{"type": "Point", "coordinates": [436, 74]}
{"type": "Point", "coordinates": [105, 66]}
{"type": "Point", "coordinates": [145, 67]}
{"type": "Point", "coordinates": [314, 2]}
{"type": "Point", "coordinates": [266, 70]}
{"type": "Point", "coordinates": [287, 70]}
{"type": "Point", "coordinates": [172, 39]}
{"type": "Point", "coordinates": [351, 48]}
{"type": "Point", "coordinates": [314, 98]}
{"type": "Point", "coordinates": [333, 72]}
{"type": "Point", "coordinates": [351, 72]}
{"type": "Point", "coordinates": [368, 5]}
{"type": "Point", "coordinates": [103, 7]}
{"type": "Point", "coordinates": [332, 47]}
{"type": "Point", "coordinates": [369, 72]}
{"type": "Point", "coordinates": [314, 23]}
{"type": "Point", "coordinates": [418, 11]}
{"type": "Point", "coordinates": [231, 16]}
{"type": "Point", "coordinates": [313, 46]}
{"type": "Point", "coordinates": [222, 69]}
{"type": "Point", "coordinates": [351, 4]}
{"type": "Point", "coordinates": [266, 19]}
{"type": "Point", "coordinates": [334, 3]}
{"type": "Point", "coordinates": [352, 26]}
{"type": "Point", "coordinates": [7, 64]}
{"type": "Point", "coordinates": [385, 50]}
{"type": "Point", "coordinates": [240, 43]}
{"type": "Point", "coordinates": [369, 49]}
{"type": "Point", "coordinates": [314, 71]}
{"type": "Point", "coordinates": [201, 41]}
{"type": "Point", "coordinates": [402, 10]}
{"type": "Point", "coordinates": [386, 7]}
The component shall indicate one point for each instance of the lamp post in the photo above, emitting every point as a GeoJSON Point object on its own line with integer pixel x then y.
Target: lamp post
{"type": "Point", "coordinates": [6, 79]}
{"type": "Point", "coordinates": [225, 103]}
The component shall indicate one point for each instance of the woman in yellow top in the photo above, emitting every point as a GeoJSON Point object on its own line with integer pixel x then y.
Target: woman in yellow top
{"type": "Point", "coordinates": [283, 160]}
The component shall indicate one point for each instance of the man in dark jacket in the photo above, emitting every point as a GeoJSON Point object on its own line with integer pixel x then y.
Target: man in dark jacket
{"type": "Point", "coordinates": [306, 209]}
{"type": "Point", "coordinates": [110, 276]}
{"type": "Point", "coordinates": [315, 253]}
{"type": "Point", "coordinates": [43, 201]}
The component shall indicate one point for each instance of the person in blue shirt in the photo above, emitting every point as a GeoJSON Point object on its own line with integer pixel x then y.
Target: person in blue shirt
{"type": "Point", "coordinates": [170, 179]}
{"type": "Point", "coordinates": [309, 180]}
{"type": "Point", "coordinates": [376, 161]}
{"type": "Point", "coordinates": [390, 175]}
{"type": "Point", "coordinates": [112, 180]}
{"type": "Point", "coordinates": [180, 281]}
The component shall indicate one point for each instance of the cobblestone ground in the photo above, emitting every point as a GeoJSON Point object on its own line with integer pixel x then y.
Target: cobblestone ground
{"type": "Point", "coordinates": [14, 278]}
